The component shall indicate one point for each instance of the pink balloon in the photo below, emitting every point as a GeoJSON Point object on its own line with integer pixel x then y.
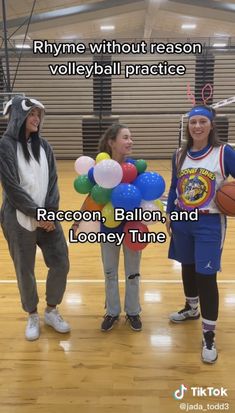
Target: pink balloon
{"type": "Point", "coordinates": [83, 164]}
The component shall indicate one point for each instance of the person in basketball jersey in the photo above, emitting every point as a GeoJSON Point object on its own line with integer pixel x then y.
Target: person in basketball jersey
{"type": "Point", "coordinates": [198, 170]}
{"type": "Point", "coordinates": [29, 180]}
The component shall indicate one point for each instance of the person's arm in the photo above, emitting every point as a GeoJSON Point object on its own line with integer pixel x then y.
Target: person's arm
{"type": "Point", "coordinates": [75, 224]}
{"type": "Point", "coordinates": [172, 195]}
{"type": "Point", "coordinates": [172, 192]}
{"type": "Point", "coordinates": [229, 161]}
{"type": "Point", "coordinates": [16, 196]}
{"type": "Point", "coordinates": [52, 197]}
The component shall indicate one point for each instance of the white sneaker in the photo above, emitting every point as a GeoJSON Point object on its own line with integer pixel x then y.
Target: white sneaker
{"type": "Point", "coordinates": [187, 313]}
{"type": "Point", "coordinates": [32, 331]}
{"type": "Point", "coordinates": [53, 318]}
{"type": "Point", "coordinates": [209, 352]}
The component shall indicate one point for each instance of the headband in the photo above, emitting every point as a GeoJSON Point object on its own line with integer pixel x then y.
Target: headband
{"type": "Point", "coordinates": [200, 111]}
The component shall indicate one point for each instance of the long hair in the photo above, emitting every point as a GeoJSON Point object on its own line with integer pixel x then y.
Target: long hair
{"type": "Point", "coordinates": [110, 134]}
{"type": "Point", "coordinates": [35, 143]}
{"type": "Point", "coordinates": [213, 138]}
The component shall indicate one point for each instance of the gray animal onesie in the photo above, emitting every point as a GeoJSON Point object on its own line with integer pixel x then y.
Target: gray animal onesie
{"type": "Point", "coordinates": [27, 186]}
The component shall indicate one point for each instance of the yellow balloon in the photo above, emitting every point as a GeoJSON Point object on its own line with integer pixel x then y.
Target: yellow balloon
{"type": "Point", "coordinates": [159, 204]}
{"type": "Point", "coordinates": [102, 156]}
{"type": "Point", "coordinates": [108, 214]}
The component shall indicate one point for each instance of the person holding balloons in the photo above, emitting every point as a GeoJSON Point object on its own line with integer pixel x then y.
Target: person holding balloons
{"type": "Point", "coordinates": [198, 170]}
{"type": "Point", "coordinates": [117, 142]}
{"type": "Point", "coordinates": [116, 181]}
{"type": "Point", "coordinates": [115, 145]}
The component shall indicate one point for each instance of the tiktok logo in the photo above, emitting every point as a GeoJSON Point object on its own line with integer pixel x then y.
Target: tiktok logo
{"type": "Point", "coordinates": [179, 394]}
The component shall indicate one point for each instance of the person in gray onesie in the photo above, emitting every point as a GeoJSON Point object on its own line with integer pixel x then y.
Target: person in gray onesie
{"type": "Point", "coordinates": [29, 180]}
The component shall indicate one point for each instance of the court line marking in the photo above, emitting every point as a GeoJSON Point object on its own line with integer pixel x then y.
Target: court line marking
{"type": "Point", "coordinates": [99, 281]}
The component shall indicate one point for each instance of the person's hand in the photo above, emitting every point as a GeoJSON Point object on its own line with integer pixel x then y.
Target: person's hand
{"type": "Point", "coordinates": [168, 225]}
{"type": "Point", "coordinates": [74, 227]}
{"type": "Point", "coordinates": [48, 226]}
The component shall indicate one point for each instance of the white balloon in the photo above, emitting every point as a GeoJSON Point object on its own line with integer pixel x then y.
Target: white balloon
{"type": "Point", "coordinates": [83, 164]}
{"type": "Point", "coordinates": [148, 206]}
{"type": "Point", "coordinates": [108, 173]}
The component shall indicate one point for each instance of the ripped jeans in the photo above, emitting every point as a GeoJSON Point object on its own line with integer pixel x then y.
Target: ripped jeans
{"type": "Point", "coordinates": [110, 257]}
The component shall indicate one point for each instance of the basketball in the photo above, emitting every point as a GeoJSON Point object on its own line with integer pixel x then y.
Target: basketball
{"type": "Point", "coordinates": [225, 199]}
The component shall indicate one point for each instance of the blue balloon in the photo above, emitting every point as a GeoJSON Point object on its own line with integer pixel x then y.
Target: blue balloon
{"type": "Point", "coordinates": [130, 160]}
{"type": "Point", "coordinates": [150, 184]}
{"type": "Point", "coordinates": [91, 175]}
{"type": "Point", "coordinates": [126, 196]}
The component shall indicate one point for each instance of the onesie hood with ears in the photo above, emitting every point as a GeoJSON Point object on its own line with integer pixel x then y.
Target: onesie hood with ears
{"type": "Point", "coordinates": [18, 108]}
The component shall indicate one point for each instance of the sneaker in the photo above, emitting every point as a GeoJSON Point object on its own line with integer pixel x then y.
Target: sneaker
{"type": "Point", "coordinates": [209, 352]}
{"type": "Point", "coordinates": [108, 322]}
{"type": "Point", "coordinates": [53, 318]}
{"type": "Point", "coordinates": [32, 331]}
{"type": "Point", "coordinates": [135, 322]}
{"type": "Point", "coordinates": [187, 313]}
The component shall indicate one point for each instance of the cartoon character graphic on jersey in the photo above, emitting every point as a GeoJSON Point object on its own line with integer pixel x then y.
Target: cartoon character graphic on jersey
{"type": "Point", "coordinates": [196, 188]}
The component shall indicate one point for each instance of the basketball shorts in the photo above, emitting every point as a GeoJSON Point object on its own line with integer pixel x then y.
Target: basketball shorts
{"type": "Point", "coordinates": [199, 242]}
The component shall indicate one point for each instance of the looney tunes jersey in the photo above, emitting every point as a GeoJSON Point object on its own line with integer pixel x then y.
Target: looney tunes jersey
{"type": "Point", "coordinates": [199, 179]}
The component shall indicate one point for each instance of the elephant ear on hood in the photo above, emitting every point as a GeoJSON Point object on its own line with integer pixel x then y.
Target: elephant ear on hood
{"type": "Point", "coordinates": [18, 109]}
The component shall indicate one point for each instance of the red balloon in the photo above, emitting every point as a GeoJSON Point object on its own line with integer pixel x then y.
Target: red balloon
{"type": "Point", "coordinates": [129, 172]}
{"type": "Point", "coordinates": [135, 244]}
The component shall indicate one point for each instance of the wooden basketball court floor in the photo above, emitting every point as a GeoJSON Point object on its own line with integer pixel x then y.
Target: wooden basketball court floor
{"type": "Point", "coordinates": [89, 371]}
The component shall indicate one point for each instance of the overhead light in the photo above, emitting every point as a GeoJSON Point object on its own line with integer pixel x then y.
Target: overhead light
{"type": "Point", "coordinates": [219, 44]}
{"type": "Point", "coordinates": [69, 37]}
{"type": "Point", "coordinates": [188, 26]}
{"type": "Point", "coordinates": [107, 27]}
{"type": "Point", "coordinates": [21, 37]}
{"type": "Point", "coordinates": [221, 35]}
{"type": "Point", "coordinates": [23, 46]}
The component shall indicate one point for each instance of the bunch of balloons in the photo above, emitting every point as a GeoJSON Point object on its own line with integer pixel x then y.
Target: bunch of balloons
{"type": "Point", "coordinates": [112, 185]}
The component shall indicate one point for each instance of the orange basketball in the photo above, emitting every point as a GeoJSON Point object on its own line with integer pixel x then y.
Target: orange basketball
{"type": "Point", "coordinates": [225, 199]}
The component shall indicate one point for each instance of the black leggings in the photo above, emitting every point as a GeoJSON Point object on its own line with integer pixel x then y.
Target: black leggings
{"type": "Point", "coordinates": [204, 286]}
